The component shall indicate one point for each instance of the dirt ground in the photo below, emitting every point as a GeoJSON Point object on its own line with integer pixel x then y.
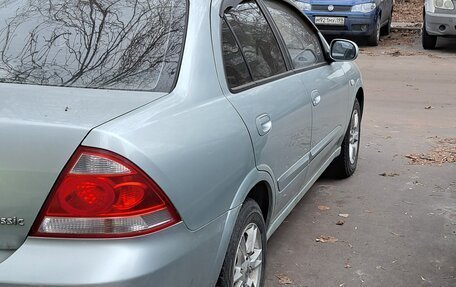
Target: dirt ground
{"type": "Point", "coordinates": [394, 222]}
{"type": "Point", "coordinates": [402, 42]}
{"type": "Point", "coordinates": [410, 11]}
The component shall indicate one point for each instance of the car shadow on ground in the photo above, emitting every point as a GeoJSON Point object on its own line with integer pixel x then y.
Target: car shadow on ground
{"type": "Point", "coordinates": [446, 45]}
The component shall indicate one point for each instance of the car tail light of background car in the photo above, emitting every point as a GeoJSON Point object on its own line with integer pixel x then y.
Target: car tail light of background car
{"type": "Point", "coordinates": [102, 195]}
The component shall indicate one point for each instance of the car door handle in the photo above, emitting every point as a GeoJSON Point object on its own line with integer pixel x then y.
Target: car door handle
{"type": "Point", "coordinates": [264, 124]}
{"type": "Point", "coordinates": [316, 98]}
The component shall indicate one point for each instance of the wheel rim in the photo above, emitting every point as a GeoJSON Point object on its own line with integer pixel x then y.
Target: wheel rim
{"type": "Point", "coordinates": [248, 263]}
{"type": "Point", "coordinates": [354, 137]}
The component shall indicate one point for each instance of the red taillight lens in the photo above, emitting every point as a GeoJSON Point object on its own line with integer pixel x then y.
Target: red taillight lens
{"type": "Point", "coordinates": [102, 195]}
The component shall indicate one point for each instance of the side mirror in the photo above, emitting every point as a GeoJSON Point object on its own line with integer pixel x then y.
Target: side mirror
{"type": "Point", "coordinates": [343, 50]}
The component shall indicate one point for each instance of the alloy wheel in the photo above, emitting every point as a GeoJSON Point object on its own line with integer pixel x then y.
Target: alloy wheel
{"type": "Point", "coordinates": [248, 263]}
{"type": "Point", "coordinates": [354, 137]}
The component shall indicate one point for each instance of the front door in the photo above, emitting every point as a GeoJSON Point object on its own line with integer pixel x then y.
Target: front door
{"type": "Point", "coordinates": [324, 81]}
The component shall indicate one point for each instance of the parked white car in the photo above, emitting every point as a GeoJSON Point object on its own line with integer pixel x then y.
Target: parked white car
{"type": "Point", "coordinates": [439, 21]}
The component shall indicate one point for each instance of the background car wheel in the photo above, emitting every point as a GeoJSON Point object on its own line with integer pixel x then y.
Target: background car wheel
{"type": "Point", "coordinates": [345, 164]}
{"type": "Point", "coordinates": [245, 259]}
{"type": "Point", "coordinates": [386, 30]}
{"type": "Point", "coordinates": [374, 38]}
{"type": "Point", "coordinates": [429, 41]}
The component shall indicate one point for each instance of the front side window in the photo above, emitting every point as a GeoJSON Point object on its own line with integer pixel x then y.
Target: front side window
{"type": "Point", "coordinates": [122, 44]}
{"type": "Point", "coordinates": [258, 43]}
{"type": "Point", "coordinates": [301, 41]}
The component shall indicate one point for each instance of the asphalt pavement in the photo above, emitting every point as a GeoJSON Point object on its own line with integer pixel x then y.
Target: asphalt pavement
{"type": "Point", "coordinates": [399, 227]}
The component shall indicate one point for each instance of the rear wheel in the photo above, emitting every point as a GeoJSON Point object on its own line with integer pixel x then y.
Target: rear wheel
{"type": "Point", "coordinates": [345, 164]}
{"type": "Point", "coordinates": [386, 30]}
{"type": "Point", "coordinates": [245, 259]}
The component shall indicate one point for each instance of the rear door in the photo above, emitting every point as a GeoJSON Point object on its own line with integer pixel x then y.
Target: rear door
{"type": "Point", "coordinates": [270, 99]}
{"type": "Point", "coordinates": [325, 82]}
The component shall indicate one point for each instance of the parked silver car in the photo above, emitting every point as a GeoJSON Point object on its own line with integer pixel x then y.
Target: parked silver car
{"type": "Point", "coordinates": [161, 142]}
{"type": "Point", "coordinates": [439, 21]}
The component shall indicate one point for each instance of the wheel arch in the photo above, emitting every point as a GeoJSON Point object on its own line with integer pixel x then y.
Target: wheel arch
{"type": "Point", "coordinates": [255, 186]}
{"type": "Point", "coordinates": [259, 186]}
{"type": "Point", "coordinates": [261, 193]}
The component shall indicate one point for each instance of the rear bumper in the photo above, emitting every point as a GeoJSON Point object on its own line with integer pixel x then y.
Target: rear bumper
{"type": "Point", "coordinates": [436, 21]}
{"type": "Point", "coordinates": [171, 257]}
{"type": "Point", "coordinates": [356, 24]}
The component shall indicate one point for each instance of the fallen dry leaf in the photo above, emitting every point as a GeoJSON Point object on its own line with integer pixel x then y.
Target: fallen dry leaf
{"type": "Point", "coordinates": [326, 239]}
{"type": "Point", "coordinates": [391, 174]}
{"type": "Point", "coordinates": [284, 279]}
{"type": "Point", "coordinates": [444, 152]}
{"type": "Point", "coordinates": [340, 222]}
{"type": "Point", "coordinates": [408, 11]}
{"type": "Point", "coordinates": [344, 215]}
{"type": "Point", "coordinates": [323, 207]}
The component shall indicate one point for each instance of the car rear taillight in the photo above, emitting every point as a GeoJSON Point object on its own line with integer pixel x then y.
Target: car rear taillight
{"type": "Point", "coordinates": [102, 195]}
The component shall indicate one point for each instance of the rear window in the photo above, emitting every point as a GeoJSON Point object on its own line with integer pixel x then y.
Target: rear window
{"type": "Point", "coordinates": [104, 44]}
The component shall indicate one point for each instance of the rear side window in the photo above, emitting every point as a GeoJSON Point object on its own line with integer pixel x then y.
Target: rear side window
{"type": "Point", "coordinates": [237, 73]}
{"type": "Point", "coordinates": [301, 41]}
{"type": "Point", "coordinates": [122, 44]}
{"type": "Point", "coordinates": [258, 43]}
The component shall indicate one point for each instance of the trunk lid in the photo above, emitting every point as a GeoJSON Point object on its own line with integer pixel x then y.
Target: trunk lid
{"type": "Point", "coordinates": [40, 128]}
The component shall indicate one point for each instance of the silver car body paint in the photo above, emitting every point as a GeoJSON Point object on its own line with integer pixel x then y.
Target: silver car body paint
{"type": "Point", "coordinates": [436, 18]}
{"type": "Point", "coordinates": [192, 142]}
{"type": "Point", "coordinates": [40, 128]}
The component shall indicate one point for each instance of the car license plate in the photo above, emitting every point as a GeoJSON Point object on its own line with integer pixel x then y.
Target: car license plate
{"type": "Point", "coordinates": [337, 21]}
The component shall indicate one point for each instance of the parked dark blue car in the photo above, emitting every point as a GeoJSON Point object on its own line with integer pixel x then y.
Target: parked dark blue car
{"type": "Point", "coordinates": [361, 18]}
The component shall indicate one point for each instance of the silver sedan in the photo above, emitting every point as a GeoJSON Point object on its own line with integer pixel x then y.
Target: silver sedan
{"type": "Point", "coordinates": [162, 142]}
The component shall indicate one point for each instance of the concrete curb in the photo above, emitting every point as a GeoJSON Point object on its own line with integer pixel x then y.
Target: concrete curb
{"type": "Point", "coordinates": [406, 26]}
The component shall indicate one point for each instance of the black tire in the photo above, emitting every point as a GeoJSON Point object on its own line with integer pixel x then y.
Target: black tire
{"type": "Point", "coordinates": [250, 214]}
{"type": "Point", "coordinates": [374, 38]}
{"type": "Point", "coordinates": [386, 30]}
{"type": "Point", "coordinates": [343, 166]}
{"type": "Point", "coordinates": [429, 41]}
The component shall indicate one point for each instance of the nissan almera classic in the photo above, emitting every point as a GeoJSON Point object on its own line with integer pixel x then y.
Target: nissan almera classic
{"type": "Point", "coordinates": [160, 143]}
